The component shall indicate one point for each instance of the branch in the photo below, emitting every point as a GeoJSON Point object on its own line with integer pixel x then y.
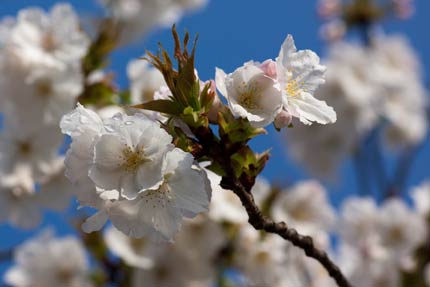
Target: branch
{"type": "Point", "coordinates": [217, 153]}
{"type": "Point", "coordinates": [260, 222]}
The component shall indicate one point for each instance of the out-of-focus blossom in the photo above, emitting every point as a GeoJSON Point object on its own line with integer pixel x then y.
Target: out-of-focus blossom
{"type": "Point", "coordinates": [126, 168]}
{"type": "Point", "coordinates": [299, 74]}
{"type": "Point", "coordinates": [403, 9]}
{"type": "Point", "coordinates": [225, 205]}
{"type": "Point", "coordinates": [250, 93]}
{"type": "Point", "coordinates": [421, 198]}
{"type": "Point", "coordinates": [138, 17]}
{"type": "Point", "coordinates": [34, 154]}
{"type": "Point", "coordinates": [134, 251]}
{"type": "Point", "coordinates": [189, 262]}
{"type": "Point", "coordinates": [329, 8]}
{"type": "Point", "coordinates": [145, 81]}
{"type": "Point", "coordinates": [401, 231]}
{"type": "Point", "coordinates": [374, 87]}
{"type": "Point", "coordinates": [21, 205]}
{"type": "Point", "coordinates": [305, 207]}
{"type": "Point", "coordinates": [48, 261]}
{"type": "Point", "coordinates": [403, 99]}
{"type": "Point", "coordinates": [358, 228]}
{"type": "Point", "coordinates": [377, 244]}
{"type": "Point", "coordinates": [260, 259]}
{"type": "Point", "coordinates": [333, 30]}
{"type": "Point", "coordinates": [37, 38]}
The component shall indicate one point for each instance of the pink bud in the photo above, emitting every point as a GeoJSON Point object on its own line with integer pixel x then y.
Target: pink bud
{"type": "Point", "coordinates": [404, 9]}
{"type": "Point", "coordinates": [269, 68]}
{"type": "Point", "coordinates": [216, 104]}
{"type": "Point", "coordinates": [328, 8]}
{"type": "Point", "coordinates": [283, 119]}
{"type": "Point", "coordinates": [333, 30]}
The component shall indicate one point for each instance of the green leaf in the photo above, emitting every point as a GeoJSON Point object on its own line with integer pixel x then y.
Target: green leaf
{"type": "Point", "coordinates": [163, 106]}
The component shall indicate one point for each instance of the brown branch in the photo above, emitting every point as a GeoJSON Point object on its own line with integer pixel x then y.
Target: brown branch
{"type": "Point", "coordinates": [216, 152]}
{"type": "Point", "coordinates": [260, 222]}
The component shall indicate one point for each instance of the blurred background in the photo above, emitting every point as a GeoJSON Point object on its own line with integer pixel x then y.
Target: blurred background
{"type": "Point", "coordinates": [376, 148]}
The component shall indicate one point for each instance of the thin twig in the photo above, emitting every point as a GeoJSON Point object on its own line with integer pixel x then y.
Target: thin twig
{"type": "Point", "coordinates": [260, 222]}
{"type": "Point", "coordinates": [215, 151]}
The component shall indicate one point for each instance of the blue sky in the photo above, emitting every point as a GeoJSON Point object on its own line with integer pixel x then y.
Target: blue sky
{"type": "Point", "coordinates": [232, 32]}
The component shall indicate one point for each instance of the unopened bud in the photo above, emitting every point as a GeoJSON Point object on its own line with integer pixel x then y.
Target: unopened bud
{"type": "Point", "coordinates": [283, 119]}
{"type": "Point", "coordinates": [404, 9]}
{"type": "Point", "coordinates": [329, 8]}
{"type": "Point", "coordinates": [217, 104]}
{"type": "Point", "coordinates": [333, 31]}
{"type": "Point", "coordinates": [269, 68]}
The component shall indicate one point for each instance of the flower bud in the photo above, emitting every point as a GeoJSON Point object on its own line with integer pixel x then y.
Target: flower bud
{"type": "Point", "coordinates": [283, 119]}
{"type": "Point", "coordinates": [217, 105]}
{"type": "Point", "coordinates": [269, 68]}
{"type": "Point", "coordinates": [328, 8]}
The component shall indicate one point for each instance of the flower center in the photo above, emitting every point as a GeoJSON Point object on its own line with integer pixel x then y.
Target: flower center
{"type": "Point", "coordinates": [159, 197]}
{"type": "Point", "coordinates": [248, 96]}
{"type": "Point", "coordinates": [132, 159]}
{"type": "Point", "coordinates": [293, 88]}
{"type": "Point", "coordinates": [43, 88]}
{"type": "Point", "coordinates": [48, 42]}
{"type": "Point", "coordinates": [24, 148]}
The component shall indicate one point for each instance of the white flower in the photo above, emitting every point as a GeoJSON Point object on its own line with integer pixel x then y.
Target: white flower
{"type": "Point", "coordinates": [134, 251]}
{"type": "Point", "coordinates": [299, 74]}
{"type": "Point", "coordinates": [138, 17]}
{"type": "Point", "coordinates": [22, 205]}
{"type": "Point", "coordinates": [144, 81]}
{"type": "Point", "coordinates": [35, 152]}
{"type": "Point", "coordinates": [183, 192]}
{"type": "Point", "coordinates": [129, 157]}
{"type": "Point", "coordinates": [52, 92]}
{"type": "Point", "coordinates": [53, 39]}
{"type": "Point", "coordinates": [401, 230]}
{"type": "Point", "coordinates": [125, 167]}
{"type": "Point", "coordinates": [363, 271]}
{"type": "Point", "coordinates": [357, 225]}
{"type": "Point", "coordinates": [305, 207]}
{"type": "Point", "coordinates": [421, 198]}
{"type": "Point", "coordinates": [260, 259]}
{"type": "Point", "coordinates": [19, 207]}
{"type": "Point", "coordinates": [189, 262]}
{"type": "Point", "coordinates": [47, 261]}
{"type": "Point", "coordinates": [225, 205]}
{"type": "Point", "coordinates": [250, 93]}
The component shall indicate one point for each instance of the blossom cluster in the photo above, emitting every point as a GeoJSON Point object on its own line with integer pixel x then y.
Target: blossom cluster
{"type": "Point", "coordinates": [375, 243]}
{"type": "Point", "coordinates": [127, 168]}
{"type": "Point", "coordinates": [375, 87]}
{"type": "Point", "coordinates": [276, 91]}
{"type": "Point", "coordinates": [41, 79]}
{"type": "Point", "coordinates": [138, 17]}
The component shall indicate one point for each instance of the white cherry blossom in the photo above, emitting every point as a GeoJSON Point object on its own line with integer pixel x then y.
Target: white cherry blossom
{"type": "Point", "coordinates": [183, 192]}
{"type": "Point", "coordinates": [299, 74]}
{"type": "Point", "coordinates": [128, 158]}
{"type": "Point", "coordinates": [125, 167]}
{"type": "Point", "coordinates": [250, 93]}
{"type": "Point", "coordinates": [138, 17]}
{"type": "Point", "coordinates": [305, 207]}
{"type": "Point", "coordinates": [421, 197]}
{"type": "Point", "coordinates": [40, 262]}
{"type": "Point", "coordinates": [225, 205]}
{"type": "Point", "coordinates": [45, 39]}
